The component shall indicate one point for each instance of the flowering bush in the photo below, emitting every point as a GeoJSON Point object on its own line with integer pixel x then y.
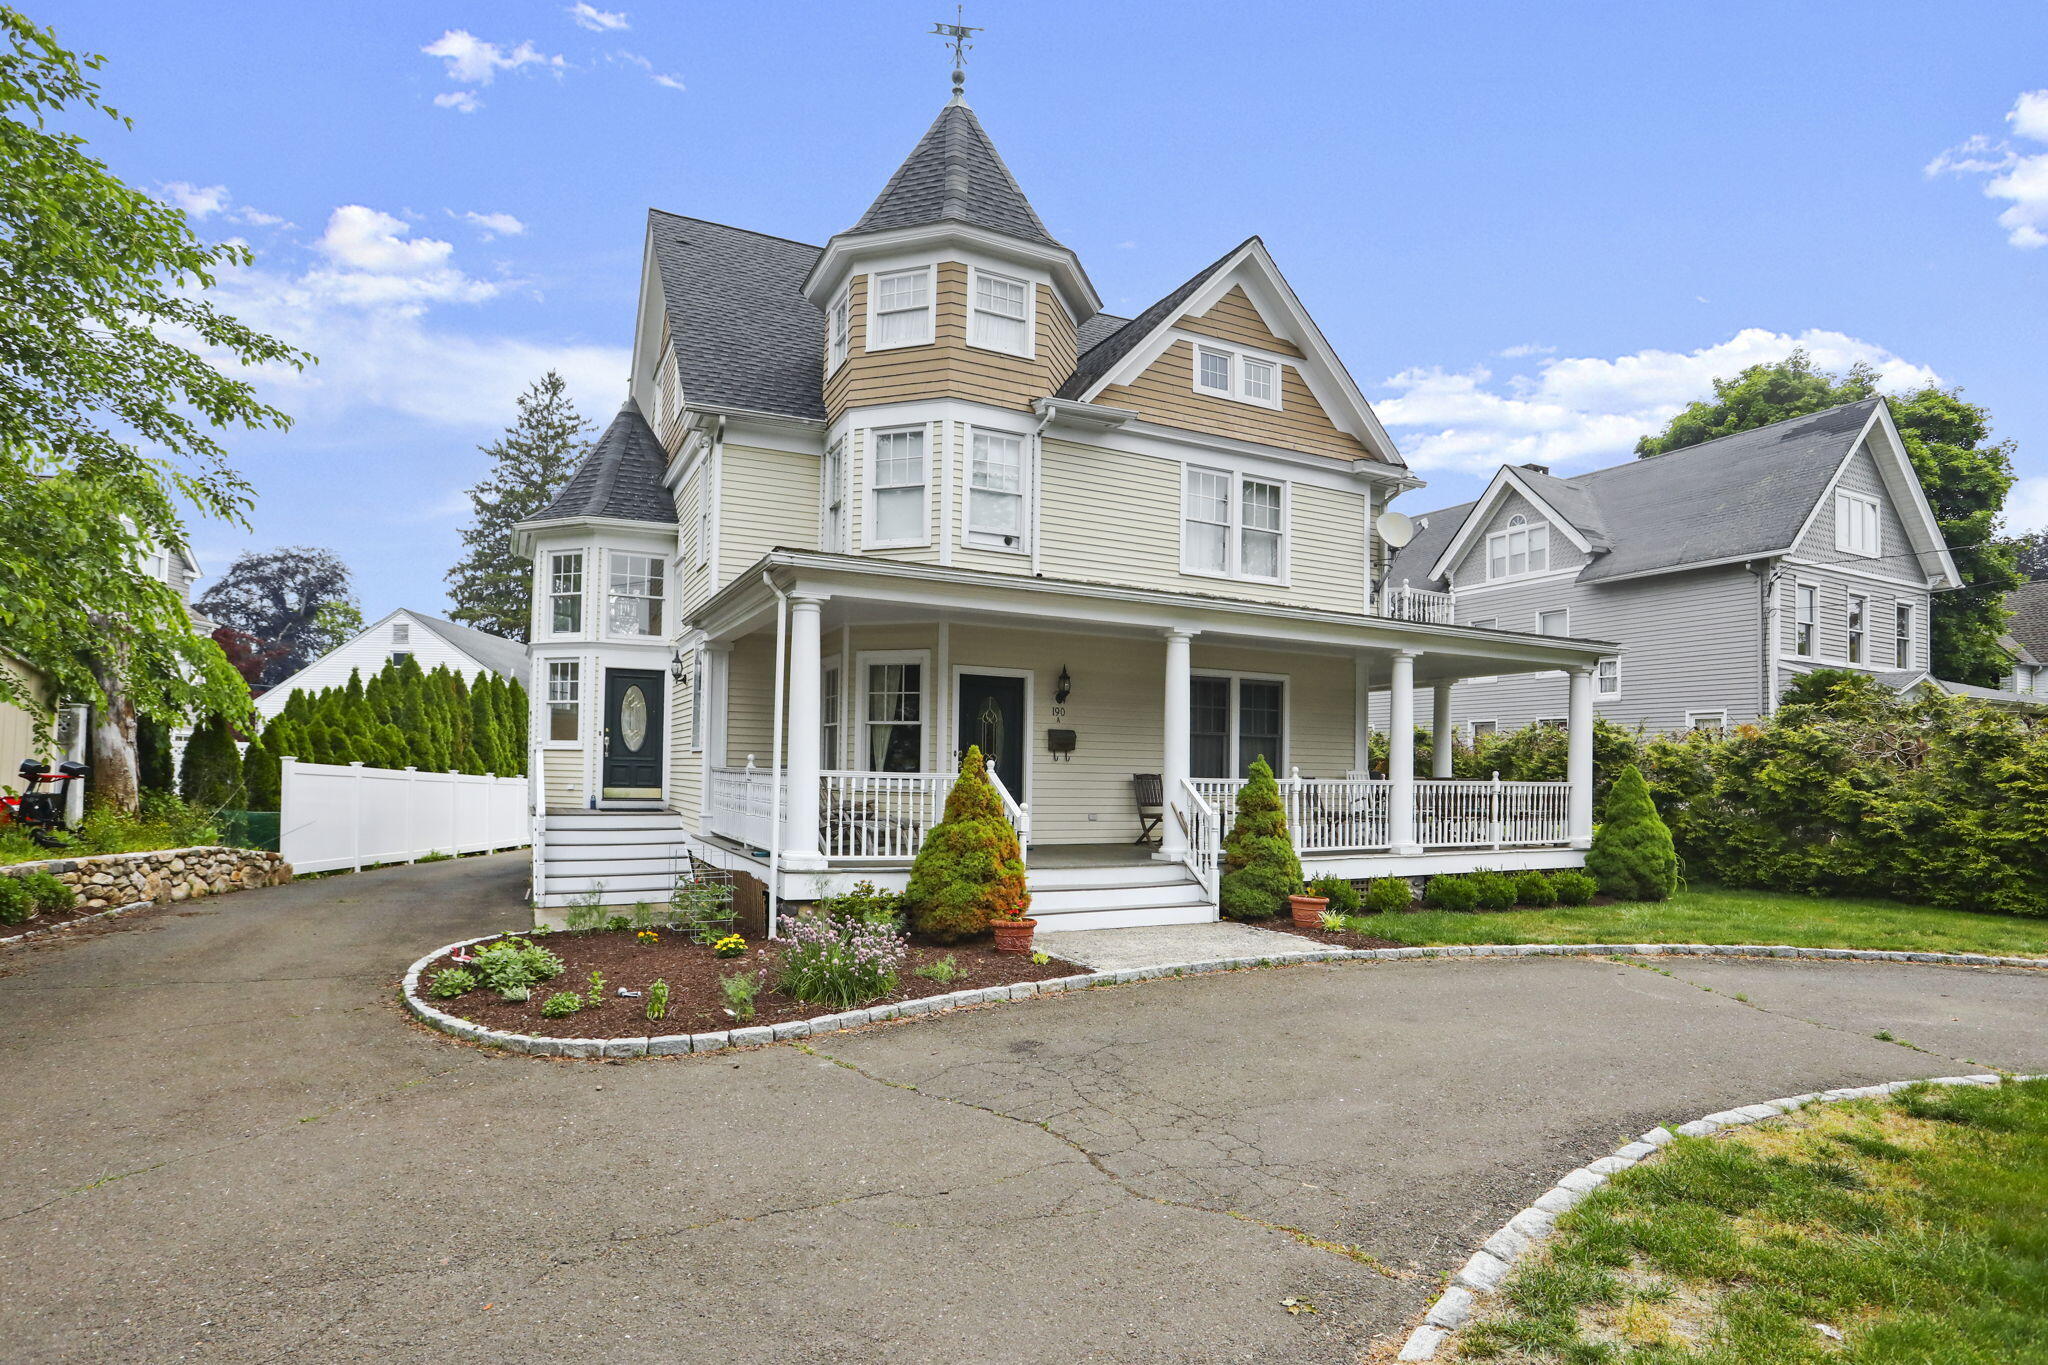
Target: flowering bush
{"type": "Point", "coordinates": [647, 938]}
{"type": "Point", "coordinates": [732, 945]}
{"type": "Point", "coordinates": [845, 963]}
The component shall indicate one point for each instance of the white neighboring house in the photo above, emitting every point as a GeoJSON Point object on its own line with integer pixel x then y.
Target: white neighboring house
{"type": "Point", "coordinates": [402, 633]}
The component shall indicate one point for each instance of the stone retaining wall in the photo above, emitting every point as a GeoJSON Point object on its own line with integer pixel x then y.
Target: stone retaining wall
{"type": "Point", "coordinates": [106, 880]}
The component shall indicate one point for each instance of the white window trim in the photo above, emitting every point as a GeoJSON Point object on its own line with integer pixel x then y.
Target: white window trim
{"type": "Point", "coordinates": [582, 595]}
{"type": "Point", "coordinates": [546, 718]}
{"type": "Point", "coordinates": [865, 657]}
{"type": "Point", "coordinates": [839, 328]}
{"type": "Point", "coordinates": [1237, 355]}
{"type": "Point", "coordinates": [1693, 719]}
{"type": "Point", "coordinates": [1233, 544]}
{"type": "Point", "coordinates": [1286, 681]}
{"type": "Point", "coordinates": [1905, 624]}
{"type": "Point", "coordinates": [1812, 623]}
{"type": "Point", "coordinates": [931, 309]}
{"type": "Point", "coordinates": [1542, 612]}
{"type": "Point", "coordinates": [1025, 500]}
{"type": "Point", "coordinates": [1855, 605]}
{"type": "Point", "coordinates": [1615, 695]}
{"type": "Point", "coordinates": [1876, 550]}
{"type": "Point", "coordinates": [827, 758]}
{"type": "Point", "coordinates": [869, 541]}
{"type": "Point", "coordinates": [1528, 527]}
{"type": "Point", "coordinates": [1030, 351]}
{"type": "Point", "coordinates": [665, 596]}
{"type": "Point", "coordinates": [825, 492]}
{"type": "Point", "coordinates": [1472, 728]}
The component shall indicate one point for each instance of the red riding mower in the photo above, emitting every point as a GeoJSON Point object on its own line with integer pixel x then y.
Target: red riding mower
{"type": "Point", "coordinates": [40, 807]}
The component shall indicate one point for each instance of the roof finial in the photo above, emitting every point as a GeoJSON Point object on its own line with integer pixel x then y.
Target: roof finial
{"type": "Point", "coordinates": [963, 41]}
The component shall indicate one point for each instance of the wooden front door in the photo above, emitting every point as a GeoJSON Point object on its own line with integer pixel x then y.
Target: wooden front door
{"type": "Point", "coordinates": [632, 734]}
{"type": "Point", "coordinates": [992, 718]}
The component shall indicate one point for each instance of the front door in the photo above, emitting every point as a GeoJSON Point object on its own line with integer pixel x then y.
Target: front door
{"type": "Point", "coordinates": [992, 717]}
{"type": "Point", "coordinates": [632, 734]}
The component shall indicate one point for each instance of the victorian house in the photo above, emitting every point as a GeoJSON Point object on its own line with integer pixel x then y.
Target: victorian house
{"type": "Point", "coordinates": [872, 502]}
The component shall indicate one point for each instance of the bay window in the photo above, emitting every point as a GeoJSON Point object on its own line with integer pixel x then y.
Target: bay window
{"type": "Point", "coordinates": [1233, 525]}
{"type": "Point", "coordinates": [633, 603]}
{"type": "Point", "coordinates": [841, 326]}
{"type": "Point", "coordinates": [565, 592]}
{"type": "Point", "coordinates": [897, 479]}
{"type": "Point", "coordinates": [999, 314]}
{"type": "Point", "coordinates": [565, 702]}
{"type": "Point", "coordinates": [995, 491]}
{"type": "Point", "coordinates": [833, 492]}
{"type": "Point", "coordinates": [902, 309]}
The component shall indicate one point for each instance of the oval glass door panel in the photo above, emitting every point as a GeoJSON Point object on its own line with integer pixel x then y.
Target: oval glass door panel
{"type": "Point", "coordinates": [633, 718]}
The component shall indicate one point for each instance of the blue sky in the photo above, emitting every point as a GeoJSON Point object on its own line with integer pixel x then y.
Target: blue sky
{"type": "Point", "coordinates": [1532, 231]}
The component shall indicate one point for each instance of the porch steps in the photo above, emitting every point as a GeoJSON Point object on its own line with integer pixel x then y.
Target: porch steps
{"type": "Point", "coordinates": [624, 855]}
{"type": "Point", "coordinates": [1116, 897]}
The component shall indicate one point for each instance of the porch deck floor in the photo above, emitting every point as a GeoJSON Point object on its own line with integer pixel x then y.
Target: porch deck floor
{"type": "Point", "coordinates": [1091, 855]}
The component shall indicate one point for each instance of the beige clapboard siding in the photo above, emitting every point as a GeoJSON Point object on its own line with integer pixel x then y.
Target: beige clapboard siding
{"type": "Point", "coordinates": [1233, 318]}
{"type": "Point", "coordinates": [562, 775]}
{"type": "Point", "coordinates": [767, 498]}
{"type": "Point", "coordinates": [1165, 393]}
{"type": "Point", "coordinates": [668, 404]}
{"type": "Point", "coordinates": [685, 766]}
{"type": "Point", "coordinates": [949, 367]}
{"type": "Point", "coordinates": [696, 581]}
{"type": "Point", "coordinates": [17, 727]}
{"type": "Point", "coordinates": [1112, 517]}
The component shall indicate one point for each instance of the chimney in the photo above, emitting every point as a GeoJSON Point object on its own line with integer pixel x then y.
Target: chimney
{"type": "Point", "coordinates": [1538, 468]}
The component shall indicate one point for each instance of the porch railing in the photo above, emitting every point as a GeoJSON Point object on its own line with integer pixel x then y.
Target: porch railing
{"type": "Point", "coordinates": [1495, 814]}
{"type": "Point", "coordinates": [879, 817]}
{"type": "Point", "coordinates": [1202, 824]}
{"type": "Point", "coordinates": [1324, 815]}
{"type": "Point", "coordinates": [1019, 813]}
{"type": "Point", "coordinates": [741, 805]}
{"type": "Point", "coordinates": [1400, 602]}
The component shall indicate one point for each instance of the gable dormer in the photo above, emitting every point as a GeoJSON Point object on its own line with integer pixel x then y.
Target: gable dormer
{"type": "Point", "coordinates": [949, 286]}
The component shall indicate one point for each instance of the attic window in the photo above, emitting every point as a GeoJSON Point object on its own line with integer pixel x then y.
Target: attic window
{"type": "Point", "coordinates": [401, 633]}
{"type": "Point", "coordinates": [902, 307]}
{"type": "Point", "coordinates": [1856, 525]}
{"type": "Point", "coordinates": [1238, 375]}
{"type": "Point", "coordinates": [1519, 550]}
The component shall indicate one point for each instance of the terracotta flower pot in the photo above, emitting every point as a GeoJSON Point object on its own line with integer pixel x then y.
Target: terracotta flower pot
{"type": "Point", "coordinates": [1308, 910]}
{"type": "Point", "coordinates": [1013, 933]}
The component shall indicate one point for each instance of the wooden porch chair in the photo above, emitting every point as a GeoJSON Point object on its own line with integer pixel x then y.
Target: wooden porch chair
{"type": "Point", "coordinates": [1149, 791]}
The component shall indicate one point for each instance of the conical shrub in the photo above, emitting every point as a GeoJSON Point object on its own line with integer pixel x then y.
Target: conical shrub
{"type": "Point", "coordinates": [1632, 856]}
{"type": "Point", "coordinates": [212, 774]}
{"type": "Point", "coordinates": [262, 776]}
{"type": "Point", "coordinates": [970, 869]}
{"type": "Point", "coordinates": [1260, 867]}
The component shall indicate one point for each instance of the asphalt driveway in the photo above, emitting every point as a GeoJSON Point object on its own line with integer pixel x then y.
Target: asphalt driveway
{"type": "Point", "coordinates": [221, 1140]}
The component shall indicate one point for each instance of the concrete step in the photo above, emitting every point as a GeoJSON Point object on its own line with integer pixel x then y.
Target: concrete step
{"type": "Point", "coordinates": [1119, 919]}
{"type": "Point", "coordinates": [1118, 874]}
{"type": "Point", "coordinates": [1069, 899]}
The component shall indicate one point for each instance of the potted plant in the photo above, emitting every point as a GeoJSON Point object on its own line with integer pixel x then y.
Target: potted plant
{"type": "Point", "coordinates": [1307, 909]}
{"type": "Point", "coordinates": [1013, 933]}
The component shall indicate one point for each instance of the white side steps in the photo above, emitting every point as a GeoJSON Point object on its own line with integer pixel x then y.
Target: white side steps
{"type": "Point", "coordinates": [625, 856]}
{"type": "Point", "coordinates": [1120, 897]}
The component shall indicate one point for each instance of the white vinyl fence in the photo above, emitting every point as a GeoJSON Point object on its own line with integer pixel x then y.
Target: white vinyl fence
{"type": "Point", "coordinates": [335, 815]}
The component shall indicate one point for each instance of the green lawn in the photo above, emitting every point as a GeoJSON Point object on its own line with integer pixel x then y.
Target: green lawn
{"type": "Point", "coordinates": [1916, 1227]}
{"type": "Point", "coordinates": [1711, 915]}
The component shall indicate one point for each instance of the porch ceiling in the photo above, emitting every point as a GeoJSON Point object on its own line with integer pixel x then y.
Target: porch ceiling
{"type": "Point", "coordinates": [860, 591]}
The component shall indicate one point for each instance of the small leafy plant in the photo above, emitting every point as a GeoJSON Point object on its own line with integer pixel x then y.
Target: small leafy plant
{"type": "Point", "coordinates": [518, 995]}
{"type": "Point", "coordinates": [1333, 922]}
{"type": "Point", "coordinates": [16, 904]}
{"type": "Point", "coordinates": [738, 992]}
{"type": "Point", "coordinates": [513, 962]}
{"type": "Point", "coordinates": [944, 970]}
{"type": "Point", "coordinates": [702, 909]}
{"type": "Point", "coordinates": [865, 902]}
{"type": "Point", "coordinates": [657, 1000]}
{"type": "Point", "coordinates": [450, 982]}
{"type": "Point", "coordinates": [1389, 895]}
{"type": "Point", "coordinates": [561, 1003]}
{"type": "Point", "coordinates": [596, 988]}
{"type": "Point", "coordinates": [1340, 892]}
{"type": "Point", "coordinates": [647, 938]}
{"type": "Point", "coordinates": [732, 945]}
{"type": "Point", "coordinates": [586, 912]}
{"type": "Point", "coordinates": [1041, 959]}
{"type": "Point", "coordinates": [48, 894]}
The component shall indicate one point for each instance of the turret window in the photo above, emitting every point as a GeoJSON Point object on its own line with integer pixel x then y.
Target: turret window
{"type": "Point", "coordinates": [902, 309]}
{"type": "Point", "coordinates": [634, 606]}
{"type": "Point", "coordinates": [842, 326]}
{"type": "Point", "coordinates": [565, 593]}
{"type": "Point", "coordinates": [1001, 316]}
{"type": "Point", "coordinates": [995, 495]}
{"type": "Point", "coordinates": [898, 483]}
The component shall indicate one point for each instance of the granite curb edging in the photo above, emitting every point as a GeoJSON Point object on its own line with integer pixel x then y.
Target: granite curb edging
{"type": "Point", "coordinates": [46, 930]}
{"type": "Point", "coordinates": [680, 1044]}
{"type": "Point", "coordinates": [1487, 1268]}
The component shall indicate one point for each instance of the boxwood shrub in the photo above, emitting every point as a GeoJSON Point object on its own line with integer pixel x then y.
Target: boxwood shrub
{"type": "Point", "coordinates": [1573, 888]}
{"type": "Point", "coordinates": [1492, 890]}
{"type": "Point", "coordinates": [1341, 892]}
{"type": "Point", "coordinates": [1534, 889]}
{"type": "Point", "coordinates": [1389, 895]}
{"type": "Point", "coordinates": [1450, 892]}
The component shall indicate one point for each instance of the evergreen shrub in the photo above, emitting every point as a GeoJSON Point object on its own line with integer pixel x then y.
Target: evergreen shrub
{"type": "Point", "coordinates": [1534, 889]}
{"type": "Point", "coordinates": [1389, 895]}
{"type": "Point", "coordinates": [1450, 892]}
{"type": "Point", "coordinates": [1340, 892]}
{"type": "Point", "coordinates": [969, 869]}
{"type": "Point", "coordinates": [1573, 888]}
{"type": "Point", "coordinates": [1492, 890]}
{"type": "Point", "coordinates": [1632, 855]}
{"type": "Point", "coordinates": [1260, 868]}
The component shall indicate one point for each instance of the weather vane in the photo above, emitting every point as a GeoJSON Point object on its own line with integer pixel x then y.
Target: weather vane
{"type": "Point", "coordinates": [963, 41]}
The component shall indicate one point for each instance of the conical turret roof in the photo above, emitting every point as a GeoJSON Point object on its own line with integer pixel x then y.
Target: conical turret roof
{"type": "Point", "coordinates": [954, 174]}
{"type": "Point", "coordinates": [620, 477]}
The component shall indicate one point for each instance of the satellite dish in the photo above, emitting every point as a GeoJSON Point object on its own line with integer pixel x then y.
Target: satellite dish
{"type": "Point", "coordinates": [1395, 528]}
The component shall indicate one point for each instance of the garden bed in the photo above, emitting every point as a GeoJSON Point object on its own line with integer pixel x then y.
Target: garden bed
{"type": "Point", "coordinates": [693, 973]}
{"type": "Point", "coordinates": [1343, 938]}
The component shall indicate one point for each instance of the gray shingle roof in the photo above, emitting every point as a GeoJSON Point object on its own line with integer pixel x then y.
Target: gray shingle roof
{"type": "Point", "coordinates": [1100, 358]}
{"type": "Point", "coordinates": [1742, 495]}
{"type": "Point", "coordinates": [745, 335]}
{"type": "Point", "coordinates": [954, 174]}
{"type": "Point", "coordinates": [2028, 604]}
{"type": "Point", "coordinates": [620, 477]}
{"type": "Point", "coordinates": [506, 658]}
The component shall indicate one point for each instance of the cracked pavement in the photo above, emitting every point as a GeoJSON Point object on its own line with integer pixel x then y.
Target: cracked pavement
{"type": "Point", "coordinates": [225, 1142]}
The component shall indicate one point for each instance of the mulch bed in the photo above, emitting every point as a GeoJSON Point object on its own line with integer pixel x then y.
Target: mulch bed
{"type": "Point", "coordinates": [692, 973]}
{"type": "Point", "coordinates": [1339, 940]}
{"type": "Point", "coordinates": [50, 919]}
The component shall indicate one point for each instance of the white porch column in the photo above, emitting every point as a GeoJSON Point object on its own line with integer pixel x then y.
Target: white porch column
{"type": "Point", "coordinates": [1361, 721]}
{"type": "Point", "coordinates": [1441, 740]}
{"type": "Point", "coordinates": [1173, 742]}
{"type": "Point", "coordinates": [806, 716]}
{"type": "Point", "coordinates": [712, 725]}
{"type": "Point", "coordinates": [1579, 756]}
{"type": "Point", "coordinates": [1401, 755]}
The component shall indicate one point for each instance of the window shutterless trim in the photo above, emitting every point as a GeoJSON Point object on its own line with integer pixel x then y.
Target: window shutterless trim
{"type": "Point", "coordinates": [1234, 526]}
{"type": "Point", "coordinates": [975, 274]}
{"type": "Point", "coordinates": [974, 538]}
{"type": "Point", "coordinates": [876, 313]}
{"type": "Point", "coordinates": [864, 659]}
{"type": "Point", "coordinates": [1235, 360]}
{"type": "Point", "coordinates": [870, 525]}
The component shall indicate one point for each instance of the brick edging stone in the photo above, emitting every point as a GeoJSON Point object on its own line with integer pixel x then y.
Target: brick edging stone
{"type": "Point", "coordinates": [677, 1044]}
{"type": "Point", "coordinates": [1486, 1270]}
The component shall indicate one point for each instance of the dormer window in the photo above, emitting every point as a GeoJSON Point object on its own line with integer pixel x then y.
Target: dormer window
{"type": "Point", "coordinates": [1228, 373]}
{"type": "Point", "coordinates": [902, 309]}
{"type": "Point", "coordinates": [841, 326]}
{"type": "Point", "coordinates": [1000, 317]}
{"type": "Point", "coordinates": [1523, 548]}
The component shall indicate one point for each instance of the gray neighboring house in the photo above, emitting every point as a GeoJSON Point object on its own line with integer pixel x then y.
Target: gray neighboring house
{"type": "Point", "coordinates": [2026, 639]}
{"type": "Point", "coordinates": [1724, 571]}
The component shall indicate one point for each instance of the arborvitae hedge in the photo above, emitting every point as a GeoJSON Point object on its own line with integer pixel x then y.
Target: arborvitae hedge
{"type": "Point", "coordinates": [970, 869]}
{"type": "Point", "coordinates": [1260, 869]}
{"type": "Point", "coordinates": [211, 777]}
{"type": "Point", "coordinates": [1632, 856]}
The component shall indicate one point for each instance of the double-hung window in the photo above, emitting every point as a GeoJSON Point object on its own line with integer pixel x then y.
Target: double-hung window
{"type": "Point", "coordinates": [995, 491]}
{"type": "Point", "coordinates": [1523, 548]}
{"type": "Point", "coordinates": [1234, 720]}
{"type": "Point", "coordinates": [1233, 374]}
{"type": "Point", "coordinates": [1902, 636]}
{"type": "Point", "coordinates": [841, 326]}
{"type": "Point", "coordinates": [829, 702]}
{"type": "Point", "coordinates": [633, 604]}
{"type": "Point", "coordinates": [898, 480]}
{"type": "Point", "coordinates": [999, 317]}
{"type": "Point", "coordinates": [565, 702]}
{"type": "Point", "coordinates": [1607, 678]}
{"type": "Point", "coordinates": [902, 309]}
{"type": "Point", "coordinates": [565, 592]}
{"type": "Point", "coordinates": [1858, 618]}
{"type": "Point", "coordinates": [1233, 525]}
{"type": "Point", "coordinates": [1806, 611]}
{"type": "Point", "coordinates": [1557, 622]}
{"type": "Point", "coordinates": [1856, 525]}
{"type": "Point", "coordinates": [894, 717]}
{"type": "Point", "coordinates": [833, 494]}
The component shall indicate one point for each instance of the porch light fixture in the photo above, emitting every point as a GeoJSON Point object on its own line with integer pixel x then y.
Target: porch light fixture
{"type": "Point", "coordinates": [678, 668]}
{"type": "Point", "coordinates": [1063, 687]}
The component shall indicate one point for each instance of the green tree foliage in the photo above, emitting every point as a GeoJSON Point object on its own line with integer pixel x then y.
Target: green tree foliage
{"type": "Point", "coordinates": [969, 869]}
{"type": "Point", "coordinates": [156, 756]}
{"type": "Point", "coordinates": [260, 776]}
{"type": "Point", "coordinates": [211, 776]}
{"type": "Point", "coordinates": [1632, 855]}
{"type": "Point", "coordinates": [109, 399]}
{"type": "Point", "coordinates": [491, 585]}
{"type": "Point", "coordinates": [1965, 474]}
{"type": "Point", "coordinates": [1260, 868]}
{"type": "Point", "coordinates": [401, 717]}
{"type": "Point", "coordinates": [287, 603]}
{"type": "Point", "coordinates": [2030, 554]}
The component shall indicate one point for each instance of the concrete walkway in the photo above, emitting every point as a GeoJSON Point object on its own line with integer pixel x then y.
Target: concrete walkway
{"type": "Point", "coordinates": [1120, 950]}
{"type": "Point", "coordinates": [224, 1142]}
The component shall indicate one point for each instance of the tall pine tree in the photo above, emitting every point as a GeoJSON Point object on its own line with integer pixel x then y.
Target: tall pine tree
{"type": "Point", "coordinates": [490, 585]}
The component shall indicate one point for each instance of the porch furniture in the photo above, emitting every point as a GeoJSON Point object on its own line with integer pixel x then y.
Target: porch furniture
{"type": "Point", "coordinates": [1148, 790]}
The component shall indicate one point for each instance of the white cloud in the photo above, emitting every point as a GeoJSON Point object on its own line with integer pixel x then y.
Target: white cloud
{"type": "Point", "coordinates": [659, 78]}
{"type": "Point", "coordinates": [373, 258]}
{"type": "Point", "coordinates": [492, 224]}
{"type": "Point", "coordinates": [199, 201]}
{"type": "Point", "coordinates": [472, 61]}
{"type": "Point", "coordinates": [2014, 174]}
{"type": "Point", "coordinates": [1582, 410]}
{"type": "Point", "coordinates": [1527, 348]}
{"type": "Point", "coordinates": [461, 101]}
{"type": "Point", "coordinates": [2026, 506]}
{"type": "Point", "coordinates": [597, 20]}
